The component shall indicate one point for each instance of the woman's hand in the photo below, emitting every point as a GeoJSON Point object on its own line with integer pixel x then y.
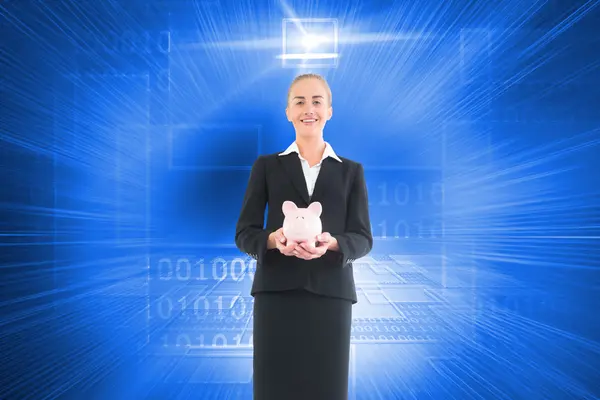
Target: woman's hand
{"type": "Point", "coordinates": [324, 242]}
{"type": "Point", "coordinates": [277, 240]}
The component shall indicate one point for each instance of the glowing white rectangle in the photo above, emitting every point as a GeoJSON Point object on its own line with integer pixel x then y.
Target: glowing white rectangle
{"type": "Point", "coordinates": [307, 56]}
{"type": "Point", "coordinates": [309, 42]}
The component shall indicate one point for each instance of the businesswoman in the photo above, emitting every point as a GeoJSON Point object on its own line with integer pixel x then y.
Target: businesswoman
{"type": "Point", "coordinates": [303, 294]}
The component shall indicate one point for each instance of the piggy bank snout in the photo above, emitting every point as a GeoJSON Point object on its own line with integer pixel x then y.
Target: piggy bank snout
{"type": "Point", "coordinates": [302, 222]}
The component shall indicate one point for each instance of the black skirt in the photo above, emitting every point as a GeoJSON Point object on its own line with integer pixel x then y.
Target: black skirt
{"type": "Point", "coordinates": [301, 346]}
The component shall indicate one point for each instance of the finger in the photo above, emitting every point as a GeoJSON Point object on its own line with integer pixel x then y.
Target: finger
{"type": "Point", "coordinates": [295, 251]}
{"type": "Point", "coordinates": [302, 257]}
{"type": "Point", "coordinates": [313, 249]}
{"type": "Point", "coordinates": [282, 235]}
{"type": "Point", "coordinates": [279, 237]}
{"type": "Point", "coordinates": [308, 247]}
{"type": "Point", "coordinates": [303, 253]}
{"type": "Point", "coordinates": [285, 247]}
{"type": "Point", "coordinates": [281, 248]}
{"type": "Point", "coordinates": [317, 250]}
{"type": "Point", "coordinates": [289, 248]}
{"type": "Point", "coordinates": [320, 250]}
{"type": "Point", "coordinates": [324, 237]}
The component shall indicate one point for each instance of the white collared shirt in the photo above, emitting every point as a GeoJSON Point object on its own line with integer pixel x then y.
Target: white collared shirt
{"type": "Point", "coordinates": [311, 173]}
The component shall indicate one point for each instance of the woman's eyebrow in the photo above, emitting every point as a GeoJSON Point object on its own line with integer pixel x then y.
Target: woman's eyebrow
{"type": "Point", "coordinates": [302, 97]}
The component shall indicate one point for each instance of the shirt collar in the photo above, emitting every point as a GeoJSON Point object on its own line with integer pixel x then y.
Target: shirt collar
{"type": "Point", "coordinates": [327, 153]}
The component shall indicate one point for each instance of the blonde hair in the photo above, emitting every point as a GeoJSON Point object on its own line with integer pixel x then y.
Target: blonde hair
{"type": "Point", "coordinates": [310, 76]}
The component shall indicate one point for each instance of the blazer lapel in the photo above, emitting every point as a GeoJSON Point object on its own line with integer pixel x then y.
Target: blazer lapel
{"type": "Point", "coordinates": [331, 170]}
{"type": "Point", "coordinates": [293, 167]}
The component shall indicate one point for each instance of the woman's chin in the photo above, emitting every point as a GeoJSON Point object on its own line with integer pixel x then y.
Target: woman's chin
{"type": "Point", "coordinates": [309, 131]}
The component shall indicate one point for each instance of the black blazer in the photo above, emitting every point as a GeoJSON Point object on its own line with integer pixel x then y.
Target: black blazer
{"type": "Point", "coordinates": [342, 191]}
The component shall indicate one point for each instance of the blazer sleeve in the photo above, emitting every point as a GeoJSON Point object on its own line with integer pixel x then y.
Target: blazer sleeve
{"type": "Point", "coordinates": [250, 235]}
{"type": "Point", "coordinates": [357, 240]}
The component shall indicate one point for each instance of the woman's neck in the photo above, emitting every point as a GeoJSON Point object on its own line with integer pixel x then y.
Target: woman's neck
{"type": "Point", "coordinates": [311, 149]}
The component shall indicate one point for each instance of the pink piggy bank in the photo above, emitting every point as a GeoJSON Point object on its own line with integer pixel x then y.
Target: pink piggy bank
{"type": "Point", "coordinates": [302, 224]}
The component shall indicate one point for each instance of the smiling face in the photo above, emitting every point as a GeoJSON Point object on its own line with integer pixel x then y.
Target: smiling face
{"type": "Point", "coordinates": [309, 107]}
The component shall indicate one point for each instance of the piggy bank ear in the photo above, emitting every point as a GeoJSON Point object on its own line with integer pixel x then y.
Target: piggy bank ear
{"type": "Point", "coordinates": [288, 208]}
{"type": "Point", "coordinates": [316, 208]}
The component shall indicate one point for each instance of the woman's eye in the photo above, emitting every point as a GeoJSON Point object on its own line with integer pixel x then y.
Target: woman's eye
{"type": "Point", "coordinates": [317, 102]}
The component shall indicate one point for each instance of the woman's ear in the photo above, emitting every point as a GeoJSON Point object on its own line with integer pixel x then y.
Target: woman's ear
{"type": "Point", "coordinates": [287, 114]}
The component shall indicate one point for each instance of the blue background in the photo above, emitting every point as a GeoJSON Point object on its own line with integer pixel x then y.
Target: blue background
{"type": "Point", "coordinates": [127, 133]}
